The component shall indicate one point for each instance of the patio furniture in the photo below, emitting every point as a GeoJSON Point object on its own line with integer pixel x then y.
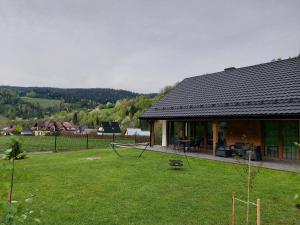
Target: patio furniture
{"type": "Point", "coordinates": [223, 151]}
{"type": "Point", "coordinates": [185, 143]}
{"type": "Point", "coordinates": [255, 154]}
{"type": "Point", "coordinates": [238, 149]}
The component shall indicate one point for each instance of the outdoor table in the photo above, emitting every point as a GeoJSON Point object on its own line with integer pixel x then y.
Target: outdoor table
{"type": "Point", "coordinates": [184, 142]}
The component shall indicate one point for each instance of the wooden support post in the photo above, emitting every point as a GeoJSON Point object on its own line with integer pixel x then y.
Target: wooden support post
{"type": "Point", "coordinates": [215, 127]}
{"type": "Point", "coordinates": [232, 209]}
{"type": "Point", "coordinates": [11, 181]}
{"type": "Point", "coordinates": [258, 211]}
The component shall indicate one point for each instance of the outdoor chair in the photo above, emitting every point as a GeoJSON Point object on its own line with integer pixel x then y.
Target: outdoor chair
{"type": "Point", "coordinates": [255, 154]}
{"type": "Point", "coordinates": [197, 143]}
{"type": "Point", "coordinates": [223, 151]}
{"type": "Point", "coordinates": [238, 149]}
{"type": "Point", "coordinates": [191, 144]}
{"type": "Point", "coordinates": [176, 142]}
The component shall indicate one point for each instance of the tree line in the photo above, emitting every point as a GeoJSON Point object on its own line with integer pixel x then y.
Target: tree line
{"type": "Point", "coordinates": [126, 111]}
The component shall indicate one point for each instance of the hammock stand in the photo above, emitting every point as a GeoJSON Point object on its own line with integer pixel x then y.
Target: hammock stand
{"type": "Point", "coordinates": [135, 146]}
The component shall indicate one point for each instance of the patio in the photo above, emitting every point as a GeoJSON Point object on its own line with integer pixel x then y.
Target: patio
{"type": "Point", "coordinates": [272, 164]}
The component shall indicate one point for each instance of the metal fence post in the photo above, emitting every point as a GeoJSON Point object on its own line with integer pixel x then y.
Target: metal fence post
{"type": "Point", "coordinates": [135, 138]}
{"type": "Point", "coordinates": [87, 141]}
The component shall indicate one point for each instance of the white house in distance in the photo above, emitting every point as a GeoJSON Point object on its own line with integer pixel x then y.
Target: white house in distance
{"type": "Point", "coordinates": [137, 132]}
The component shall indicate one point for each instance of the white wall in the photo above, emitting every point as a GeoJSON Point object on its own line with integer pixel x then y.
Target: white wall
{"type": "Point", "coordinates": [164, 133]}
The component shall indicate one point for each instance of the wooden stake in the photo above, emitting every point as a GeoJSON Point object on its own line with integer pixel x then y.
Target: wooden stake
{"type": "Point", "coordinates": [232, 209]}
{"type": "Point", "coordinates": [258, 211]}
{"type": "Point", "coordinates": [248, 191]}
{"type": "Point", "coordinates": [11, 181]}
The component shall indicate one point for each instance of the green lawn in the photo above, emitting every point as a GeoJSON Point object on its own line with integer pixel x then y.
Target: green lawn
{"type": "Point", "coordinates": [47, 143]}
{"type": "Point", "coordinates": [3, 121]}
{"type": "Point", "coordinates": [73, 190]}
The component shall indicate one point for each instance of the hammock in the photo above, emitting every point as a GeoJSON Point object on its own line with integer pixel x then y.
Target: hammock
{"type": "Point", "coordinates": [135, 146]}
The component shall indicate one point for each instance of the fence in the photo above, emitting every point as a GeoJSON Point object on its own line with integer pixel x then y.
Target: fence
{"type": "Point", "coordinates": [69, 142]}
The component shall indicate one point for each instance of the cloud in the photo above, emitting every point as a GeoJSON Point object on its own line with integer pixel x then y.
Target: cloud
{"type": "Point", "coordinates": [139, 45]}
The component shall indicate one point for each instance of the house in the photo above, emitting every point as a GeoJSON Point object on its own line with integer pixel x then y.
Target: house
{"type": "Point", "coordinates": [257, 104]}
{"type": "Point", "coordinates": [43, 128]}
{"type": "Point", "coordinates": [51, 126]}
{"type": "Point", "coordinates": [11, 130]}
{"type": "Point", "coordinates": [41, 132]}
{"type": "Point", "coordinates": [109, 128]}
{"type": "Point", "coordinates": [68, 128]}
{"type": "Point", "coordinates": [136, 132]}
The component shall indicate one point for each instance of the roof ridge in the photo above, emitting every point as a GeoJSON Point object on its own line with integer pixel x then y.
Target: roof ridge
{"type": "Point", "coordinates": [245, 67]}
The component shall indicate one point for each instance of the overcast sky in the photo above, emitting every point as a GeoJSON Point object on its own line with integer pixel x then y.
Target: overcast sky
{"type": "Point", "coordinates": [139, 45]}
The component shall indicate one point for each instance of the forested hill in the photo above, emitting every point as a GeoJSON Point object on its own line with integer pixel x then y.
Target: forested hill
{"type": "Point", "coordinates": [88, 97]}
{"type": "Point", "coordinates": [24, 106]}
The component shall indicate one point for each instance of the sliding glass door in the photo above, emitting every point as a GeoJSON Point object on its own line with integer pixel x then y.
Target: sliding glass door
{"type": "Point", "coordinates": [271, 139]}
{"type": "Point", "coordinates": [290, 132]}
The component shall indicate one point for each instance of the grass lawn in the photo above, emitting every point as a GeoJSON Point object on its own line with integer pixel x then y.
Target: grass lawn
{"type": "Point", "coordinates": [73, 190]}
{"type": "Point", "coordinates": [47, 143]}
{"type": "Point", "coordinates": [3, 121]}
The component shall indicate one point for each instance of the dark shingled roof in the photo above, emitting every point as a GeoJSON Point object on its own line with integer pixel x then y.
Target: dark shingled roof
{"type": "Point", "coordinates": [111, 127]}
{"type": "Point", "coordinates": [269, 89]}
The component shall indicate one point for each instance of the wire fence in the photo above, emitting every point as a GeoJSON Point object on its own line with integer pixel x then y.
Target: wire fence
{"type": "Point", "coordinates": [58, 143]}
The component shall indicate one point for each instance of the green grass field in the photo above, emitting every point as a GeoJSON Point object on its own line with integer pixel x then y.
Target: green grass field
{"type": "Point", "coordinates": [47, 143]}
{"type": "Point", "coordinates": [3, 121]}
{"type": "Point", "coordinates": [44, 103]}
{"type": "Point", "coordinates": [72, 190]}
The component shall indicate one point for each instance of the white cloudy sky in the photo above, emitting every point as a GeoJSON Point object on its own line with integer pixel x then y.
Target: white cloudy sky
{"type": "Point", "coordinates": [139, 45]}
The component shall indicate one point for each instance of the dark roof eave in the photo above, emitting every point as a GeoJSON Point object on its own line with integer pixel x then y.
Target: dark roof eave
{"type": "Point", "coordinates": [257, 116]}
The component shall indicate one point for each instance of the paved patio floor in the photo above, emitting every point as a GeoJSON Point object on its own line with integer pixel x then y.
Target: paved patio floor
{"type": "Point", "coordinates": [275, 165]}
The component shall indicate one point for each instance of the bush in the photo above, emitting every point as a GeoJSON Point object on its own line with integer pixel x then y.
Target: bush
{"type": "Point", "coordinates": [15, 150]}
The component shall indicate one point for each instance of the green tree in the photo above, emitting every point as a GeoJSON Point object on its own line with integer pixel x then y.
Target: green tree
{"type": "Point", "coordinates": [75, 118]}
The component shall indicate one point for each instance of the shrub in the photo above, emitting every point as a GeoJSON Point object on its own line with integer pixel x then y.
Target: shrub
{"type": "Point", "coordinates": [15, 150]}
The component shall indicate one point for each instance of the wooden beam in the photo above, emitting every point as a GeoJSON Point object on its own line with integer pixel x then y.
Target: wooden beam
{"type": "Point", "coordinates": [258, 212]}
{"type": "Point", "coordinates": [215, 127]}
